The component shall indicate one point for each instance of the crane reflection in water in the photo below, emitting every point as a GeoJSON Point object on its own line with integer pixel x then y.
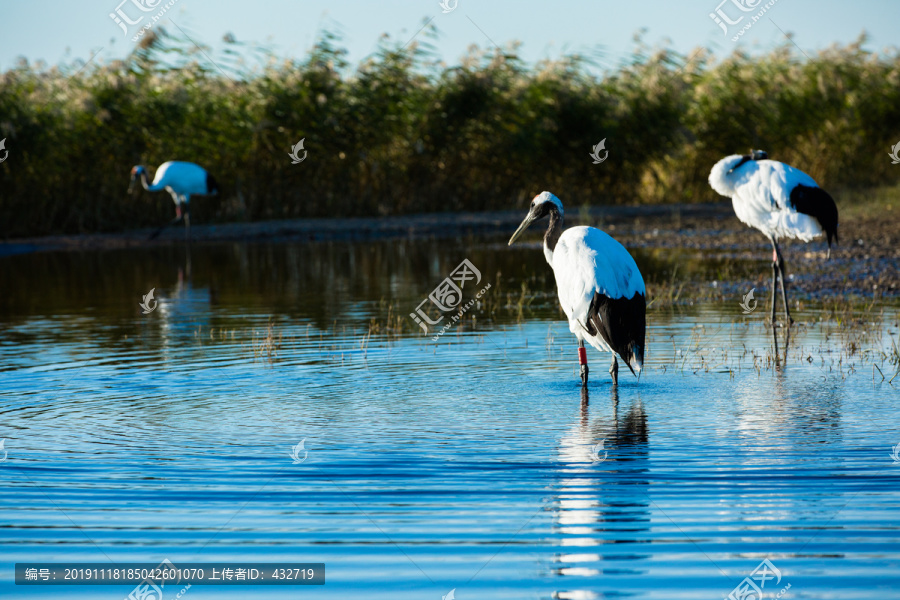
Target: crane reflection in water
{"type": "Point", "coordinates": [602, 504]}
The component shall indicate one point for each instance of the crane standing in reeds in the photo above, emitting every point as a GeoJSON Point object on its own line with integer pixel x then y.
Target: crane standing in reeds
{"type": "Point", "coordinates": [181, 180]}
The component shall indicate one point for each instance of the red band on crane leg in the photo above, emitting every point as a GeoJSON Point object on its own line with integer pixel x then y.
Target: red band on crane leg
{"type": "Point", "coordinates": [582, 356]}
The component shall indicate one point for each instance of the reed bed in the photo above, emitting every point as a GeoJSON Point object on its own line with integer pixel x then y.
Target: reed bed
{"type": "Point", "coordinates": [403, 133]}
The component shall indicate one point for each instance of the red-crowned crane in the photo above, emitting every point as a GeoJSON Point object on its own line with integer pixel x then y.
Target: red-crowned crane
{"type": "Point", "coordinates": [778, 200]}
{"type": "Point", "coordinates": [181, 180]}
{"type": "Point", "coordinates": [599, 285]}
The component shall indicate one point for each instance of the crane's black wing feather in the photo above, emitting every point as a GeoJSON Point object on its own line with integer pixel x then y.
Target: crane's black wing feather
{"type": "Point", "coordinates": [622, 323]}
{"type": "Point", "coordinates": [817, 203]}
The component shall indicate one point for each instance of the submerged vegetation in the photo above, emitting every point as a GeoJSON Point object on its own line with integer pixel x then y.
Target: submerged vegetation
{"type": "Point", "coordinates": [403, 133]}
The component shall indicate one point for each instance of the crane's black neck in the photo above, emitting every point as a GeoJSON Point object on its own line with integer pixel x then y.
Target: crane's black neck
{"type": "Point", "coordinates": [554, 229]}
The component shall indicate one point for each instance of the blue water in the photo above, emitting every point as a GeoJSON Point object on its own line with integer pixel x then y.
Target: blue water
{"type": "Point", "coordinates": [465, 464]}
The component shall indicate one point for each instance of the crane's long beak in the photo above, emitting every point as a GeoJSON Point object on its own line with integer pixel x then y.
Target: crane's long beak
{"type": "Point", "coordinates": [131, 185]}
{"type": "Point", "coordinates": [528, 220]}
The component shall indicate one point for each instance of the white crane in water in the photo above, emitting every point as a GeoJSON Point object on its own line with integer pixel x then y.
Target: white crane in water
{"type": "Point", "coordinates": [181, 180]}
{"type": "Point", "coordinates": [778, 200]}
{"type": "Point", "coordinates": [599, 285]}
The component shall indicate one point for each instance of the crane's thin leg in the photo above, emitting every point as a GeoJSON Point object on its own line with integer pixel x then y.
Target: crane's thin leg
{"type": "Point", "coordinates": [774, 281]}
{"type": "Point", "coordinates": [614, 370]}
{"type": "Point", "coordinates": [775, 341]}
{"type": "Point", "coordinates": [585, 401]}
{"type": "Point", "coordinates": [787, 343]}
{"type": "Point", "coordinates": [787, 311]}
{"type": "Point", "coordinates": [582, 360]}
{"type": "Point", "coordinates": [615, 402]}
{"type": "Point", "coordinates": [187, 222]}
{"type": "Point", "coordinates": [178, 217]}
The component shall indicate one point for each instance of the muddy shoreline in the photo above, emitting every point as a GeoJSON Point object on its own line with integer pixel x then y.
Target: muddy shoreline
{"type": "Point", "coordinates": [865, 262]}
{"type": "Point", "coordinates": [430, 225]}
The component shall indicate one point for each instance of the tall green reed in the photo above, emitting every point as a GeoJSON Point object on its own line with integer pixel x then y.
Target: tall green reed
{"type": "Point", "coordinates": [402, 133]}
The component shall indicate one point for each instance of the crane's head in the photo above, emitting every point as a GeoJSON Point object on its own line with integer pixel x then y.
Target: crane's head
{"type": "Point", "coordinates": [754, 155]}
{"type": "Point", "coordinates": [542, 205]}
{"type": "Point", "coordinates": [136, 172]}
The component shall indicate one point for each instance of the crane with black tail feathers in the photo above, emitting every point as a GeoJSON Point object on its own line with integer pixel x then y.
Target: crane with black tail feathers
{"type": "Point", "coordinates": [600, 287]}
{"type": "Point", "coordinates": [181, 180]}
{"type": "Point", "coordinates": [778, 200]}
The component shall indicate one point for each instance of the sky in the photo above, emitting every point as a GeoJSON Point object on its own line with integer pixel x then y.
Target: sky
{"type": "Point", "coordinates": [57, 31]}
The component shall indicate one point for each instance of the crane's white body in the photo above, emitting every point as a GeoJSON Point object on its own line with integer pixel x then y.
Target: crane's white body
{"type": "Point", "coordinates": [180, 179]}
{"type": "Point", "coordinates": [760, 192]}
{"type": "Point", "coordinates": [587, 261]}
